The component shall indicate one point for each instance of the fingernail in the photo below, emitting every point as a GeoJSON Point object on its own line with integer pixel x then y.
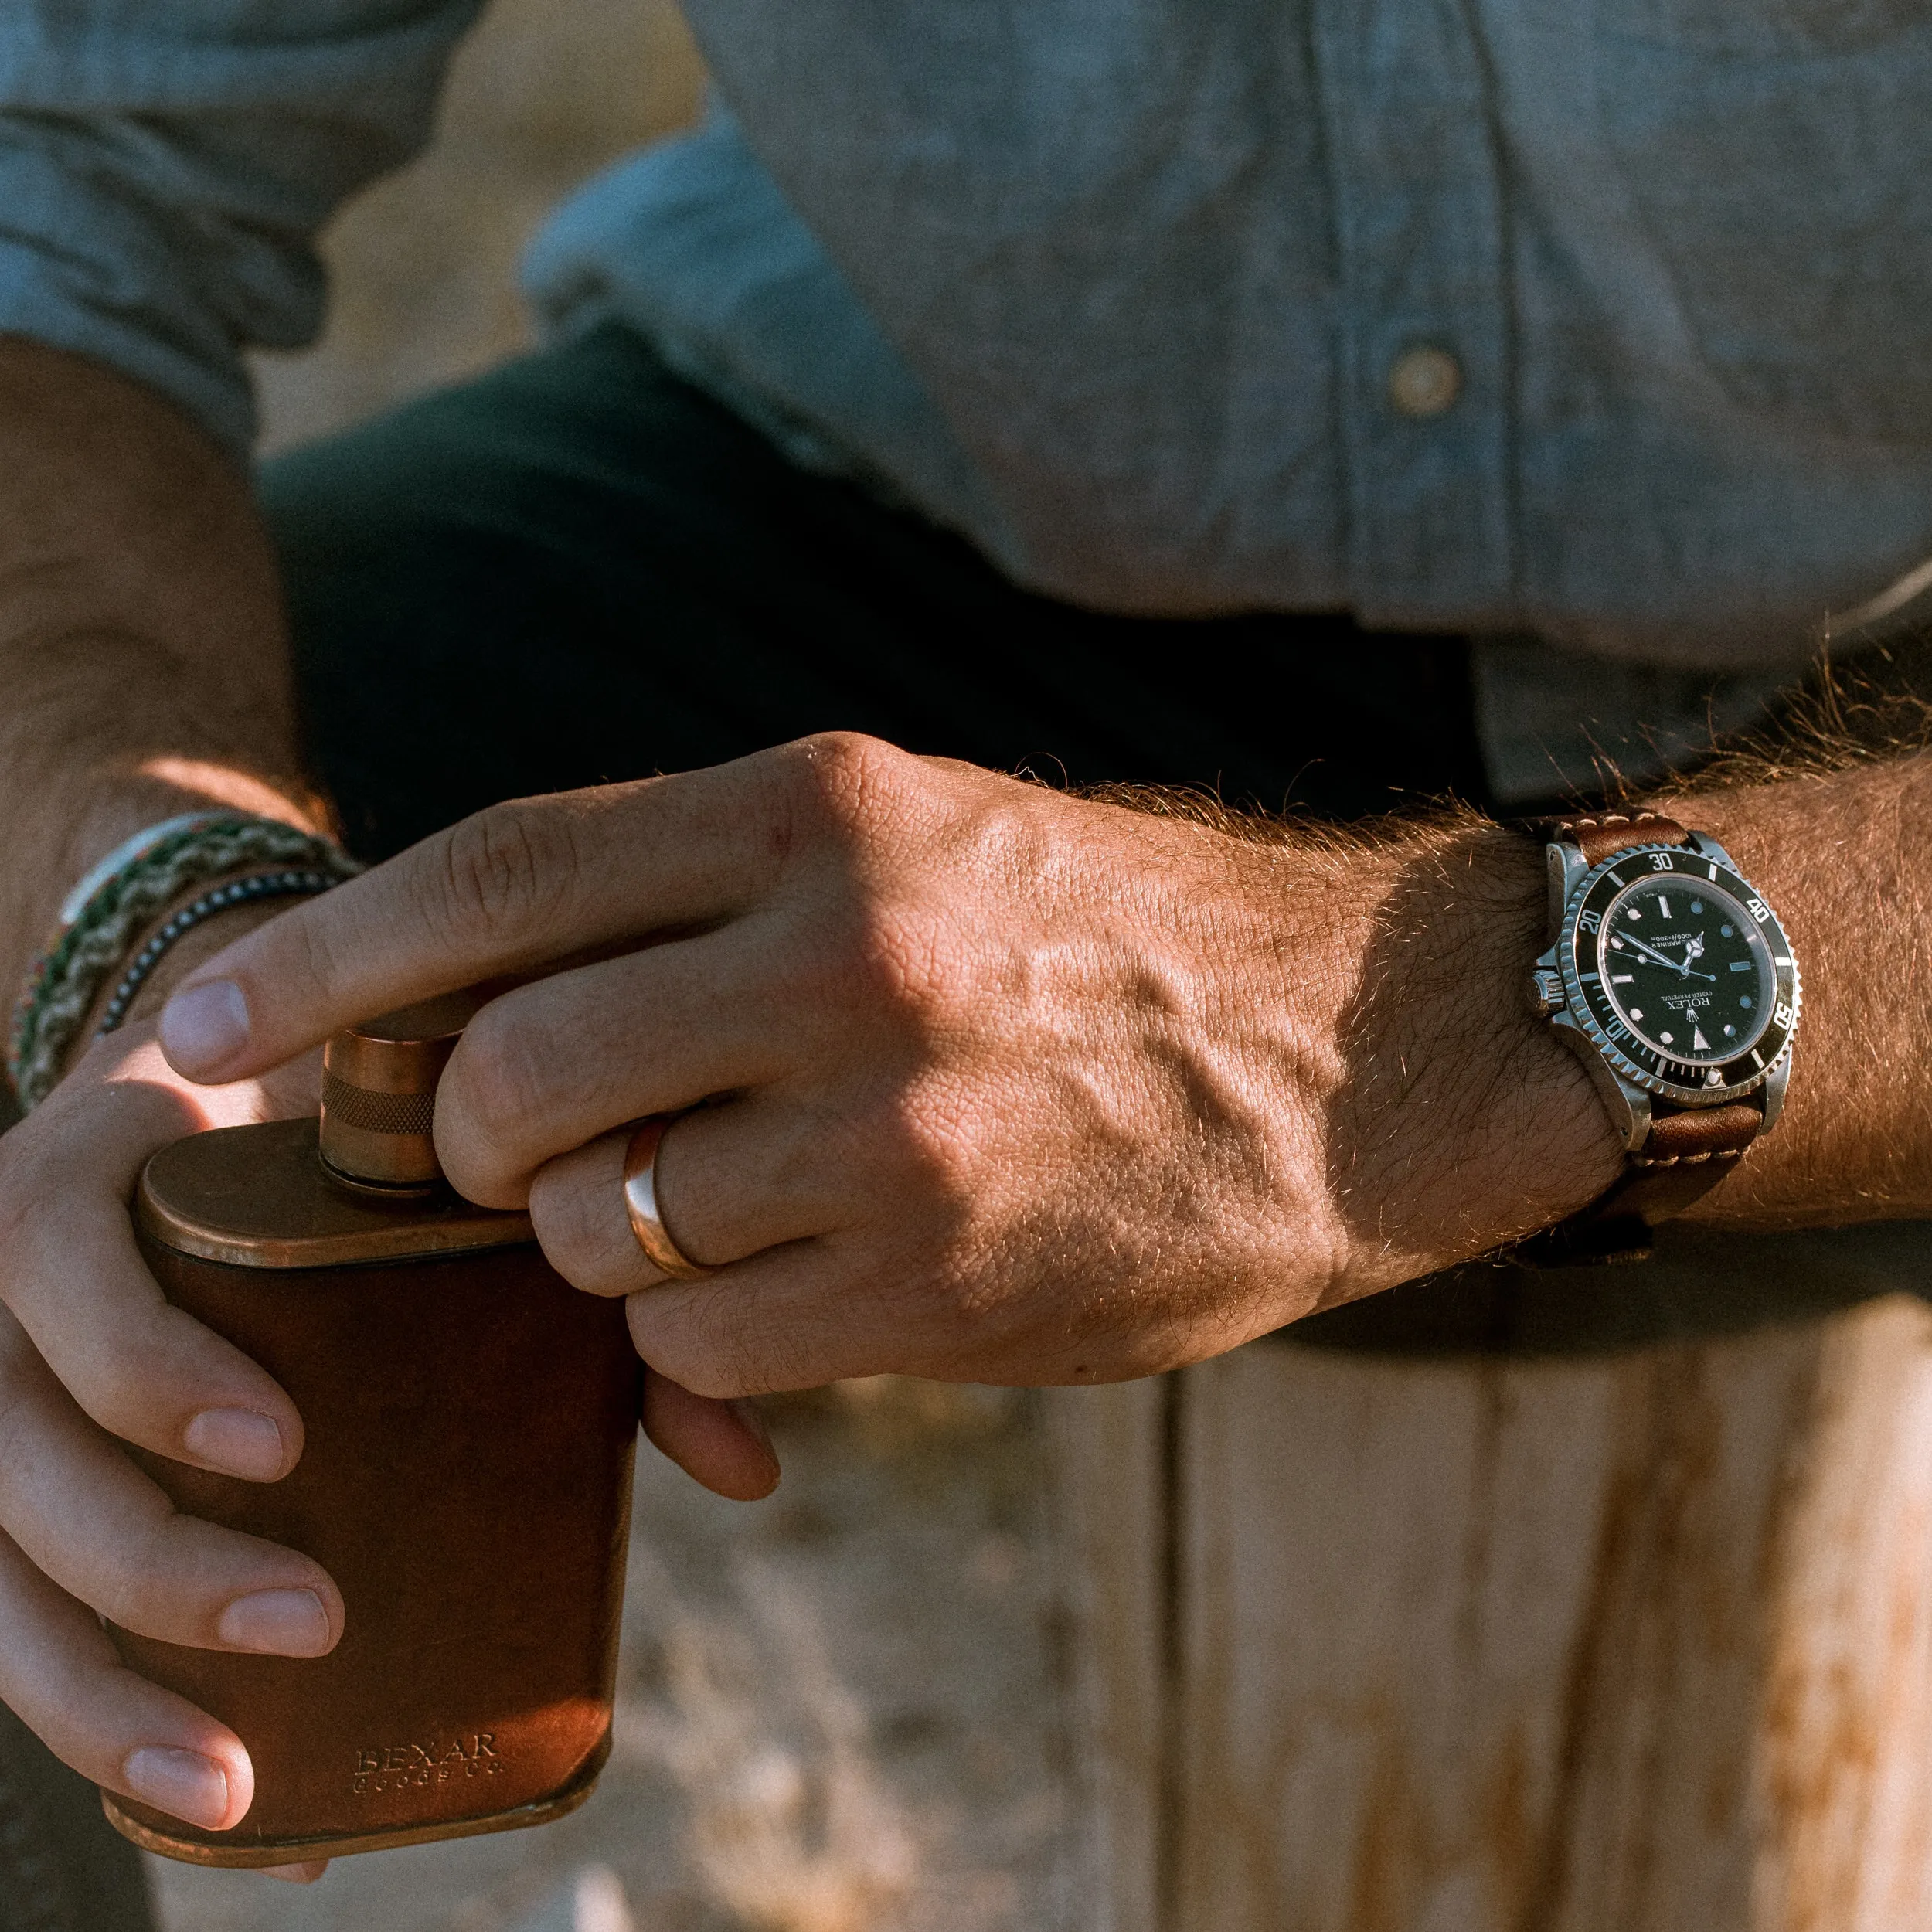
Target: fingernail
{"type": "Point", "coordinates": [746, 1411]}
{"type": "Point", "coordinates": [305, 1874]}
{"type": "Point", "coordinates": [183, 1783]}
{"type": "Point", "coordinates": [282, 1623]}
{"type": "Point", "coordinates": [203, 1027]}
{"type": "Point", "coordinates": [237, 1441]}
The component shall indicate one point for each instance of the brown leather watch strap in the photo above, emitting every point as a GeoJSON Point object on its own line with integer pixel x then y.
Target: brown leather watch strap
{"type": "Point", "coordinates": [1688, 1150]}
{"type": "Point", "coordinates": [1684, 1155]}
{"type": "Point", "coordinates": [1610, 832]}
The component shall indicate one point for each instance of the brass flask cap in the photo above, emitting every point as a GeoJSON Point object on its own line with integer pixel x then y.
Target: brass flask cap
{"type": "Point", "coordinates": [379, 1092]}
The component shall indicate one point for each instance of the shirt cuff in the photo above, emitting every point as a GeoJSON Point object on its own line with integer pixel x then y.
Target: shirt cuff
{"type": "Point", "coordinates": [91, 264]}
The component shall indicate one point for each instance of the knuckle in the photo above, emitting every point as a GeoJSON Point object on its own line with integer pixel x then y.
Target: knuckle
{"type": "Point", "coordinates": [706, 1374]}
{"type": "Point", "coordinates": [704, 1344]}
{"type": "Point", "coordinates": [901, 957]}
{"type": "Point", "coordinates": [884, 970]}
{"type": "Point", "coordinates": [116, 1387]}
{"type": "Point", "coordinates": [316, 961]}
{"type": "Point", "coordinates": [122, 1381]}
{"type": "Point", "coordinates": [141, 1591]}
{"type": "Point", "coordinates": [729, 1363]}
{"type": "Point", "coordinates": [556, 1214]}
{"type": "Point", "coordinates": [579, 1234]}
{"type": "Point", "coordinates": [869, 948]}
{"type": "Point", "coordinates": [846, 777]}
{"type": "Point", "coordinates": [493, 1074]}
{"type": "Point", "coordinates": [510, 869]}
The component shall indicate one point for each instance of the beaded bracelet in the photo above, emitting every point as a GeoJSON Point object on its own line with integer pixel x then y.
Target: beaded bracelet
{"type": "Point", "coordinates": [237, 892]}
{"type": "Point", "coordinates": [95, 936]}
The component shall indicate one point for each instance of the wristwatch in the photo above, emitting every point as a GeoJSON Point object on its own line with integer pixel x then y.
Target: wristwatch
{"type": "Point", "coordinates": [1668, 974]}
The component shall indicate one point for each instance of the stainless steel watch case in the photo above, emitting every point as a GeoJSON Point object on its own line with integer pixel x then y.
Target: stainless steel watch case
{"type": "Point", "coordinates": [1629, 1073]}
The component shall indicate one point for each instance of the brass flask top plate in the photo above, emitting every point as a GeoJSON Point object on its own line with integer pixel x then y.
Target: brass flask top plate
{"type": "Point", "coordinates": [260, 1197]}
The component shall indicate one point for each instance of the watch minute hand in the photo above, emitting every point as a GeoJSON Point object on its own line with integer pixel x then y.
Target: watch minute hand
{"type": "Point", "coordinates": [1630, 939]}
{"type": "Point", "coordinates": [1676, 966]}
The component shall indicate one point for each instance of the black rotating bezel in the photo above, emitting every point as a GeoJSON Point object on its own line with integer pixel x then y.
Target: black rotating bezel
{"type": "Point", "coordinates": [1636, 1058]}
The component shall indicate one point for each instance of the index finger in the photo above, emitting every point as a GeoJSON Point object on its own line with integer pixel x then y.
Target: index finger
{"type": "Point", "coordinates": [507, 891]}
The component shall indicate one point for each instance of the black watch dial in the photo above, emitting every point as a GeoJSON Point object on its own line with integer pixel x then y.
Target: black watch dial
{"type": "Point", "coordinates": [1678, 971]}
{"type": "Point", "coordinates": [1687, 969]}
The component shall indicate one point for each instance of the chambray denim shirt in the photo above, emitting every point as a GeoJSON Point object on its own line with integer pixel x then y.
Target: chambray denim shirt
{"type": "Point", "coordinates": [1130, 291]}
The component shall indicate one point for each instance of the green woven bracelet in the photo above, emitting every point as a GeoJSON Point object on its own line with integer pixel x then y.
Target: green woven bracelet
{"type": "Point", "coordinates": [68, 978]}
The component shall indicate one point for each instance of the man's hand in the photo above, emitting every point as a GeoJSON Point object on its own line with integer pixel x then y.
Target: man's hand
{"type": "Point", "coordinates": [91, 1351]}
{"type": "Point", "coordinates": [989, 1083]}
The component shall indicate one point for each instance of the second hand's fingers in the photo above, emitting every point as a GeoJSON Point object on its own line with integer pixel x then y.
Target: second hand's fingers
{"type": "Point", "coordinates": [509, 890]}
{"type": "Point", "coordinates": [60, 1673]}
{"type": "Point", "coordinates": [544, 1068]}
{"type": "Point", "coordinates": [105, 1533]}
{"type": "Point", "coordinates": [730, 1182]}
{"type": "Point", "coordinates": [722, 1445]}
{"type": "Point", "coordinates": [578, 1210]}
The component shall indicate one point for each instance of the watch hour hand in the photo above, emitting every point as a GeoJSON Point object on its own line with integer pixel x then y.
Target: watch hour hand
{"type": "Point", "coordinates": [1630, 939]}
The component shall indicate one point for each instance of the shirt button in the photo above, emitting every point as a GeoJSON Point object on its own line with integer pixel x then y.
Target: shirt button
{"type": "Point", "coordinates": [1424, 381]}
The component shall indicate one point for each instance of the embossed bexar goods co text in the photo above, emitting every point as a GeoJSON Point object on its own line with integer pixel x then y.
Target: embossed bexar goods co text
{"type": "Point", "coordinates": [404, 1768]}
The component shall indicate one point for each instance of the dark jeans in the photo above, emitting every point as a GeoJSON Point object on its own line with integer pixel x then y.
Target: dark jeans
{"type": "Point", "coordinates": [578, 569]}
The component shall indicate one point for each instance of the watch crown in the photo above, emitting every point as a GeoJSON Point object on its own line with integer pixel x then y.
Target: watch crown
{"type": "Point", "coordinates": [1547, 991]}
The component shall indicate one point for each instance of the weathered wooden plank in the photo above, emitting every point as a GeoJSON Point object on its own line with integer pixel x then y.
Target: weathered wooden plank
{"type": "Point", "coordinates": [1635, 1644]}
{"type": "Point", "coordinates": [1844, 1769]}
{"type": "Point", "coordinates": [1109, 1449]}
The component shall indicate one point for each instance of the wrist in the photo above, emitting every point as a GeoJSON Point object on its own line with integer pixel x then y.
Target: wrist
{"type": "Point", "coordinates": [85, 814]}
{"type": "Point", "coordinates": [1838, 856]}
{"type": "Point", "coordinates": [123, 919]}
{"type": "Point", "coordinates": [1460, 1124]}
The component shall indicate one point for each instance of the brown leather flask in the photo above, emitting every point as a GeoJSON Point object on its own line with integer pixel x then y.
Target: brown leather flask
{"type": "Point", "coordinates": [471, 1421]}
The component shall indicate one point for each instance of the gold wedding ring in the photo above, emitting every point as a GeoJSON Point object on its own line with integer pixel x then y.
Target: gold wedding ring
{"type": "Point", "coordinates": [640, 1203]}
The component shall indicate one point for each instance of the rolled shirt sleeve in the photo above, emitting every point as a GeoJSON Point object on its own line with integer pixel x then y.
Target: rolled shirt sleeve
{"type": "Point", "coordinates": [163, 170]}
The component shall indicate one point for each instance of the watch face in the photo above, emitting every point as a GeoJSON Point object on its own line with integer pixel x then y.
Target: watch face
{"type": "Point", "coordinates": [1681, 971]}
{"type": "Point", "coordinates": [1686, 969]}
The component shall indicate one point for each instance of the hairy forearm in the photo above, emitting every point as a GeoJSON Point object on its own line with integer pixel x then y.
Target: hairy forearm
{"type": "Point", "coordinates": [141, 645]}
